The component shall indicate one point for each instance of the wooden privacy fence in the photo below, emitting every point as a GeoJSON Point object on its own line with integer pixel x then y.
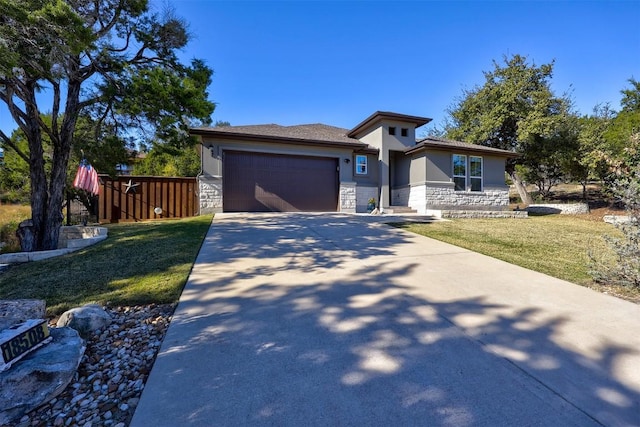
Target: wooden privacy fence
{"type": "Point", "coordinates": [139, 198]}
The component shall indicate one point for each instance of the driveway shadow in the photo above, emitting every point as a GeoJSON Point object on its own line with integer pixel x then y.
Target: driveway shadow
{"type": "Point", "coordinates": [310, 332]}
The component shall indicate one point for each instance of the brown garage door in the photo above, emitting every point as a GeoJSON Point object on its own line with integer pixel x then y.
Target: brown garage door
{"type": "Point", "coordinates": [259, 182]}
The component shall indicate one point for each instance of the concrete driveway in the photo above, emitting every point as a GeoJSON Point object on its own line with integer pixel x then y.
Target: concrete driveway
{"type": "Point", "coordinates": [338, 320]}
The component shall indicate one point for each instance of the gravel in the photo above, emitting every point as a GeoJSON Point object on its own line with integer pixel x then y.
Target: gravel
{"type": "Point", "coordinates": [112, 373]}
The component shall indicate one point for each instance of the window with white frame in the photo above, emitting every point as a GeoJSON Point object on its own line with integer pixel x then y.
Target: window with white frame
{"type": "Point", "coordinates": [361, 165]}
{"type": "Point", "coordinates": [460, 172]}
{"type": "Point", "coordinates": [475, 173]}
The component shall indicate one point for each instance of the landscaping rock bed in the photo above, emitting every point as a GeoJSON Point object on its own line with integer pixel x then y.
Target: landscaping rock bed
{"type": "Point", "coordinates": [112, 373]}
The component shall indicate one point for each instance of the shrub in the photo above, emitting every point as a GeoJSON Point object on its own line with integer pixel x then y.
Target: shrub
{"type": "Point", "coordinates": [624, 268]}
{"type": "Point", "coordinates": [8, 238]}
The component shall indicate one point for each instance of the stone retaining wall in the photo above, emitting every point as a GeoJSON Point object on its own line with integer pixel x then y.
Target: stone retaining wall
{"type": "Point", "coordinates": [482, 214]}
{"type": "Point", "coordinates": [558, 208]}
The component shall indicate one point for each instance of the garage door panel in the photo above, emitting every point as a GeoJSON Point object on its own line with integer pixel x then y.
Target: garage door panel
{"type": "Point", "coordinates": [260, 182]}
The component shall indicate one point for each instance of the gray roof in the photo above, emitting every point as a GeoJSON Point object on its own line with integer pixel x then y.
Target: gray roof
{"type": "Point", "coordinates": [387, 115]}
{"type": "Point", "coordinates": [434, 142]}
{"type": "Point", "coordinates": [312, 132]}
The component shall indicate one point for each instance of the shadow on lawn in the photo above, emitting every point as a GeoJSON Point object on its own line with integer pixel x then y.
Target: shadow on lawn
{"type": "Point", "coordinates": [365, 349]}
{"type": "Point", "coordinates": [116, 270]}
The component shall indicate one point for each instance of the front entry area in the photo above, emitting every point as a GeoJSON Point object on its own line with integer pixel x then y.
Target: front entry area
{"type": "Point", "coordinates": [263, 182]}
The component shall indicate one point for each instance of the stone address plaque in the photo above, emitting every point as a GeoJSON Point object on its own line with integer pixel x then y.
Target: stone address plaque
{"type": "Point", "coordinates": [21, 339]}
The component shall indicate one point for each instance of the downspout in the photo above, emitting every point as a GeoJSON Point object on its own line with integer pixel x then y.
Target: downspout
{"type": "Point", "coordinates": [200, 173]}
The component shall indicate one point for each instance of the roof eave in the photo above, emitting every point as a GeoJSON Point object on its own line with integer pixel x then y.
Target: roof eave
{"type": "Point", "coordinates": [381, 115]}
{"type": "Point", "coordinates": [479, 149]}
{"type": "Point", "coordinates": [271, 139]}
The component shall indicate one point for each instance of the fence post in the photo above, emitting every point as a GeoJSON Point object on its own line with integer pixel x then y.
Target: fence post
{"type": "Point", "coordinates": [68, 209]}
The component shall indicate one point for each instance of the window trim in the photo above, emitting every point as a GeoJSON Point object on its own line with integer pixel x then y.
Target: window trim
{"type": "Point", "coordinates": [453, 171]}
{"type": "Point", "coordinates": [358, 164]}
{"type": "Point", "coordinates": [481, 176]}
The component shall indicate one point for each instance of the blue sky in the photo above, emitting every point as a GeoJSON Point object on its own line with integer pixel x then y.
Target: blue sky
{"type": "Point", "coordinates": [337, 62]}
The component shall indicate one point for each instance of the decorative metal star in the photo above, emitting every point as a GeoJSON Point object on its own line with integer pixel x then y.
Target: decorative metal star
{"type": "Point", "coordinates": [130, 187]}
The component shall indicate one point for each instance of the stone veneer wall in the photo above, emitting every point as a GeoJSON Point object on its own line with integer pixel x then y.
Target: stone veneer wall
{"type": "Point", "coordinates": [413, 196]}
{"type": "Point", "coordinates": [443, 196]}
{"type": "Point", "coordinates": [348, 197]}
{"type": "Point", "coordinates": [210, 194]}
{"type": "Point", "coordinates": [418, 198]}
{"type": "Point", "coordinates": [363, 194]}
{"type": "Point", "coordinates": [400, 196]}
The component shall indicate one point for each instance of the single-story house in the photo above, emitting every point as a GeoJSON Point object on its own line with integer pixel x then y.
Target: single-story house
{"type": "Point", "coordinates": [324, 168]}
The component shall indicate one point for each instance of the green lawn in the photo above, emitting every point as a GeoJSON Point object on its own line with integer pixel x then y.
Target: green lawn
{"type": "Point", "coordinates": [557, 245]}
{"type": "Point", "coordinates": [138, 263]}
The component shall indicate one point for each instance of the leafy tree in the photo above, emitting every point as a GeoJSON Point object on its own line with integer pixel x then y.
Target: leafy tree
{"type": "Point", "coordinates": [631, 97]}
{"type": "Point", "coordinates": [626, 123]}
{"type": "Point", "coordinates": [111, 60]}
{"type": "Point", "coordinates": [160, 162]}
{"type": "Point", "coordinates": [604, 136]}
{"type": "Point", "coordinates": [550, 158]}
{"type": "Point", "coordinates": [516, 110]}
{"type": "Point", "coordinates": [168, 161]}
{"type": "Point", "coordinates": [593, 143]}
{"type": "Point", "coordinates": [14, 174]}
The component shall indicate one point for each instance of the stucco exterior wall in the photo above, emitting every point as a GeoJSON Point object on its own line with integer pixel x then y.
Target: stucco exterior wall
{"type": "Point", "coordinates": [397, 141]}
{"type": "Point", "coordinates": [493, 170]}
{"type": "Point", "coordinates": [363, 194]}
{"type": "Point", "coordinates": [418, 170]}
{"type": "Point", "coordinates": [373, 137]}
{"type": "Point", "coordinates": [438, 166]}
{"type": "Point", "coordinates": [371, 178]}
{"type": "Point", "coordinates": [378, 136]}
{"type": "Point", "coordinates": [401, 169]}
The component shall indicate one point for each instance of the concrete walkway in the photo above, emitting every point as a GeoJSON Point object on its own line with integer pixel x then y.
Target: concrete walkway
{"type": "Point", "coordinates": [337, 320]}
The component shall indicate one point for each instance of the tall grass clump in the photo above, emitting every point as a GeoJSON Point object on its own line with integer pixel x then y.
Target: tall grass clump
{"type": "Point", "coordinates": [10, 217]}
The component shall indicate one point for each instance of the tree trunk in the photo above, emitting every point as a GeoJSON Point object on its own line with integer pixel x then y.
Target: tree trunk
{"type": "Point", "coordinates": [25, 235]}
{"type": "Point", "coordinates": [31, 239]}
{"type": "Point", "coordinates": [517, 182]}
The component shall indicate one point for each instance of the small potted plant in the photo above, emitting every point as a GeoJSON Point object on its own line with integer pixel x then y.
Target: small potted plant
{"type": "Point", "coordinates": [371, 205]}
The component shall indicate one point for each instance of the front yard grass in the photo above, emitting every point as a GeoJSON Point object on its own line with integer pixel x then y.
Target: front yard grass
{"type": "Point", "coordinates": [139, 263]}
{"type": "Point", "coordinates": [557, 245]}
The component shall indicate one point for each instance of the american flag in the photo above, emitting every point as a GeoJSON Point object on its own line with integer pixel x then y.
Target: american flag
{"type": "Point", "coordinates": [87, 179]}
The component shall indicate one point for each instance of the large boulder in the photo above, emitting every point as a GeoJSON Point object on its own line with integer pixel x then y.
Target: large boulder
{"type": "Point", "coordinates": [86, 319]}
{"type": "Point", "coordinates": [40, 376]}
